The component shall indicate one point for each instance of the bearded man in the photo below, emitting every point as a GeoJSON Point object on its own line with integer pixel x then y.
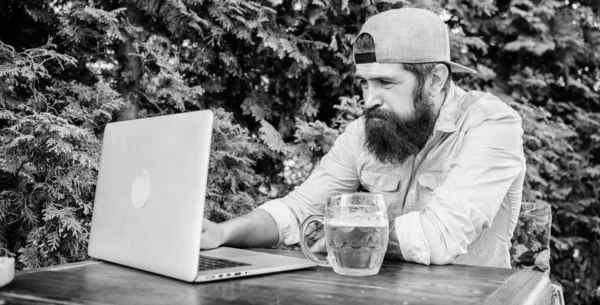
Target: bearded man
{"type": "Point", "coordinates": [449, 163]}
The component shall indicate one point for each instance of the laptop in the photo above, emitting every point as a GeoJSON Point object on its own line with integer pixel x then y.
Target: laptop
{"type": "Point", "coordinates": [149, 203]}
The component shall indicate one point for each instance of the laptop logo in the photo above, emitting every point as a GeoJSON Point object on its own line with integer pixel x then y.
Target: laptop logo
{"type": "Point", "coordinates": [140, 189]}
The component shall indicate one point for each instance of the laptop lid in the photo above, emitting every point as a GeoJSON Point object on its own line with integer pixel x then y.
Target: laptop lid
{"type": "Point", "coordinates": [150, 193]}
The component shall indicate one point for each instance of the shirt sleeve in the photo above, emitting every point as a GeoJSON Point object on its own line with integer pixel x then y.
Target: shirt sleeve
{"type": "Point", "coordinates": [490, 160]}
{"type": "Point", "coordinates": [336, 173]}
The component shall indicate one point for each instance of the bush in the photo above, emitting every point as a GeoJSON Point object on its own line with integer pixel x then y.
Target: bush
{"type": "Point", "coordinates": [278, 74]}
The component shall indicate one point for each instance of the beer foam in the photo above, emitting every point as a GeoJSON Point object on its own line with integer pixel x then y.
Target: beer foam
{"type": "Point", "coordinates": [359, 220]}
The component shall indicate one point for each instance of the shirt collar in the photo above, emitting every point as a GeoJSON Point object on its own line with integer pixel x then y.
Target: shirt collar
{"type": "Point", "coordinates": [446, 121]}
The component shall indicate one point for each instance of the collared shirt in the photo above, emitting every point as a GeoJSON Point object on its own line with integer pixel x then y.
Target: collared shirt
{"type": "Point", "coordinates": [467, 181]}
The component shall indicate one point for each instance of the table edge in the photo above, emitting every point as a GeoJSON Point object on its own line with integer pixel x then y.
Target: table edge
{"type": "Point", "coordinates": [506, 293]}
{"type": "Point", "coordinates": [58, 267]}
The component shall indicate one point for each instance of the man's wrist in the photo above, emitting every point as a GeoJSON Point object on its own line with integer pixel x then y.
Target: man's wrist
{"type": "Point", "coordinates": [223, 233]}
{"type": "Point", "coordinates": [394, 252]}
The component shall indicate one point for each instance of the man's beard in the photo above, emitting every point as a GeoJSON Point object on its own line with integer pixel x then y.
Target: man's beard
{"type": "Point", "coordinates": [392, 139]}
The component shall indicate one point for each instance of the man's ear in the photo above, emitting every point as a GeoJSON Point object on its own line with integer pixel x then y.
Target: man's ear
{"type": "Point", "coordinates": [438, 79]}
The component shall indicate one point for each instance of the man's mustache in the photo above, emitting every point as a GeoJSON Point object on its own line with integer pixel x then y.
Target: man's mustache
{"type": "Point", "coordinates": [378, 113]}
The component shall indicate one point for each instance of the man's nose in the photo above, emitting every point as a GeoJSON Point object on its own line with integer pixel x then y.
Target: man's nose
{"type": "Point", "coordinates": [372, 100]}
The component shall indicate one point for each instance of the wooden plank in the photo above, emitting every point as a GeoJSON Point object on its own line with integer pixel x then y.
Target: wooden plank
{"type": "Point", "coordinates": [524, 287]}
{"type": "Point", "coordinates": [18, 299]}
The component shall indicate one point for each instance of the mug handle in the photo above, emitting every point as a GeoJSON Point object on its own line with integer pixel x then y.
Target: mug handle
{"type": "Point", "coordinates": [304, 245]}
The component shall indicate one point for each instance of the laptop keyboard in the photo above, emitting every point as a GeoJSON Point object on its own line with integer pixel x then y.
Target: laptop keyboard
{"type": "Point", "coordinates": [211, 263]}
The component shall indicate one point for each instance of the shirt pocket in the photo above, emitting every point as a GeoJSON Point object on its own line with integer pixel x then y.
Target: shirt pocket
{"type": "Point", "coordinates": [426, 184]}
{"type": "Point", "coordinates": [378, 182]}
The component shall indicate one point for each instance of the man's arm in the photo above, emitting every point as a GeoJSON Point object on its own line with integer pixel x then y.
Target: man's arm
{"type": "Point", "coordinates": [490, 161]}
{"type": "Point", "coordinates": [255, 229]}
{"type": "Point", "coordinates": [278, 221]}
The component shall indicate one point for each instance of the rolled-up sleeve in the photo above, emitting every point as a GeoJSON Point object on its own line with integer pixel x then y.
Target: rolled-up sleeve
{"type": "Point", "coordinates": [336, 173]}
{"type": "Point", "coordinates": [490, 159]}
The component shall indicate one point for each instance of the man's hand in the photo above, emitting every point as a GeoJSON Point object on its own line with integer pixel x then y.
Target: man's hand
{"type": "Point", "coordinates": [212, 235]}
{"type": "Point", "coordinates": [315, 234]}
{"type": "Point", "coordinates": [319, 246]}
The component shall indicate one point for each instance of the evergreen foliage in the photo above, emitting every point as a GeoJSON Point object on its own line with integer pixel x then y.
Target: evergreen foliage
{"type": "Point", "coordinates": [49, 156]}
{"type": "Point", "coordinates": [279, 76]}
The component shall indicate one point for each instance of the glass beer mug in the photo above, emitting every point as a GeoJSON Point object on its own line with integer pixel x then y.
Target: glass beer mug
{"type": "Point", "coordinates": [356, 234]}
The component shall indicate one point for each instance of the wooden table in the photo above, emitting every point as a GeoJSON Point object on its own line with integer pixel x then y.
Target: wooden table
{"type": "Point", "coordinates": [397, 283]}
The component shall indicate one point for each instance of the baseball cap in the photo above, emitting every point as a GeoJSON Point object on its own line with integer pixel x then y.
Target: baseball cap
{"type": "Point", "coordinates": [408, 35]}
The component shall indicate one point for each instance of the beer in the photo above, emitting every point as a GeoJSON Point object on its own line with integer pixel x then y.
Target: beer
{"type": "Point", "coordinates": [356, 234]}
{"type": "Point", "coordinates": [357, 246]}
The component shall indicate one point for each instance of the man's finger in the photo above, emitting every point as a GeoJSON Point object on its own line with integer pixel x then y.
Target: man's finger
{"type": "Point", "coordinates": [319, 246]}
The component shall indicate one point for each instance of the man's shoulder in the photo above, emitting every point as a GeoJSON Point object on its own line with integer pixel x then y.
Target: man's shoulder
{"type": "Point", "coordinates": [481, 104]}
{"type": "Point", "coordinates": [352, 135]}
{"type": "Point", "coordinates": [355, 128]}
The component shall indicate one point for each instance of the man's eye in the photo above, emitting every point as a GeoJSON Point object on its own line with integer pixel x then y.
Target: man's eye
{"type": "Point", "coordinates": [363, 83]}
{"type": "Point", "coordinates": [385, 84]}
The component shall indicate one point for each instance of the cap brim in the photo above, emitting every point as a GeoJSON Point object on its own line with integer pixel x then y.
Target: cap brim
{"type": "Point", "coordinates": [456, 68]}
